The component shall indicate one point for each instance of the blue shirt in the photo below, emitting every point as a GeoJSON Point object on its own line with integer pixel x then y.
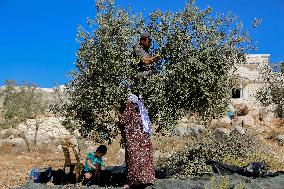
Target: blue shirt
{"type": "Point", "coordinates": [94, 160]}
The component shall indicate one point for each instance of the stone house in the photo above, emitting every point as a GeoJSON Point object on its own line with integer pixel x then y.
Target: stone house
{"type": "Point", "coordinates": [248, 76]}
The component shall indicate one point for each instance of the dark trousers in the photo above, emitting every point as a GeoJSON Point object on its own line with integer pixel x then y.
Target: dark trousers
{"type": "Point", "coordinates": [99, 177]}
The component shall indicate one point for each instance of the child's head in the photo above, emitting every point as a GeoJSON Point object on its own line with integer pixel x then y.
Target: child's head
{"type": "Point", "coordinates": [101, 150]}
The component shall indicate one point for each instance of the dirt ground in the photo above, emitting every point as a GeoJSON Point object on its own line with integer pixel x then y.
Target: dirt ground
{"type": "Point", "coordinates": [15, 165]}
{"type": "Point", "coordinates": [15, 168]}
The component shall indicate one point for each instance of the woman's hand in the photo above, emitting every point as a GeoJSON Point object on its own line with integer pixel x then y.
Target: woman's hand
{"type": "Point", "coordinates": [130, 105]}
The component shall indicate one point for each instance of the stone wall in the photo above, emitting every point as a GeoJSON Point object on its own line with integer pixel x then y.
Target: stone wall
{"type": "Point", "coordinates": [44, 133]}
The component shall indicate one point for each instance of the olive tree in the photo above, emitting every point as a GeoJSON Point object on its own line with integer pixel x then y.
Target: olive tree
{"type": "Point", "coordinates": [19, 104]}
{"type": "Point", "coordinates": [197, 49]}
{"type": "Point", "coordinates": [272, 90]}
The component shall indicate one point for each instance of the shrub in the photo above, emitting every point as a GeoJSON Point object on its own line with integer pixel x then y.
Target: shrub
{"type": "Point", "coordinates": [223, 183]}
{"type": "Point", "coordinates": [20, 103]}
{"type": "Point", "coordinates": [235, 149]}
{"type": "Point", "coordinates": [272, 90]}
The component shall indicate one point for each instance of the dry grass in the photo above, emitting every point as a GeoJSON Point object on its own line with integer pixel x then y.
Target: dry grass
{"type": "Point", "coordinates": [278, 122]}
{"type": "Point", "coordinates": [15, 165]}
{"type": "Point", "coordinates": [15, 168]}
{"type": "Point", "coordinates": [168, 144]}
{"type": "Point", "coordinates": [271, 132]}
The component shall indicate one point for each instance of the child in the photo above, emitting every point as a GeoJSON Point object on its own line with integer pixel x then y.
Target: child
{"type": "Point", "coordinates": [94, 164]}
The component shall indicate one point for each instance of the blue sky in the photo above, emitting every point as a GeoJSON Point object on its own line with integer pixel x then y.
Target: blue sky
{"type": "Point", "coordinates": [37, 37]}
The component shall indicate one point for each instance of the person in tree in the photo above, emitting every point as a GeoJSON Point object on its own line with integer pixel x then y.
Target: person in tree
{"type": "Point", "coordinates": [146, 60]}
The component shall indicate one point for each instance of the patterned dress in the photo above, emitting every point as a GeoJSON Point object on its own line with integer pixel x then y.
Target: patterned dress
{"type": "Point", "coordinates": [138, 149]}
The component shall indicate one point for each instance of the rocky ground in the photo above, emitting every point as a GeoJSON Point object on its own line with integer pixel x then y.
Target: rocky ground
{"type": "Point", "coordinates": [39, 142]}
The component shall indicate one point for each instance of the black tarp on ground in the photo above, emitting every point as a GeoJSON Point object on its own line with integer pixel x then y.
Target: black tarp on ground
{"type": "Point", "coordinates": [254, 169]}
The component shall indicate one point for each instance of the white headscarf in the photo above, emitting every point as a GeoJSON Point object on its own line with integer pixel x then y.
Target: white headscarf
{"type": "Point", "coordinates": [143, 113]}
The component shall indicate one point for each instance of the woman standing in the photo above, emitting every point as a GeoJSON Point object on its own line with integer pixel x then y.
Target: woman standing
{"type": "Point", "coordinates": [136, 131]}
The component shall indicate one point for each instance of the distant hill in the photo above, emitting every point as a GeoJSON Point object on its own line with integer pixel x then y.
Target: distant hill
{"type": "Point", "coordinates": [48, 94]}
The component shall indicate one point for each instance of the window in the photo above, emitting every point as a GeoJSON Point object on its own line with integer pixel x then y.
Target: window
{"type": "Point", "coordinates": [236, 93]}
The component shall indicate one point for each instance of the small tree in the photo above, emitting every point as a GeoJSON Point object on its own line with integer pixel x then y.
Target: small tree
{"type": "Point", "coordinates": [197, 50]}
{"type": "Point", "coordinates": [20, 103]}
{"type": "Point", "coordinates": [272, 90]}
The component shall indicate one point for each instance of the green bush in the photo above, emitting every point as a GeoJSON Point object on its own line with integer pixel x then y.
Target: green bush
{"type": "Point", "coordinates": [191, 161]}
{"type": "Point", "coordinates": [19, 104]}
{"type": "Point", "coordinates": [223, 183]}
{"type": "Point", "coordinates": [272, 90]}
